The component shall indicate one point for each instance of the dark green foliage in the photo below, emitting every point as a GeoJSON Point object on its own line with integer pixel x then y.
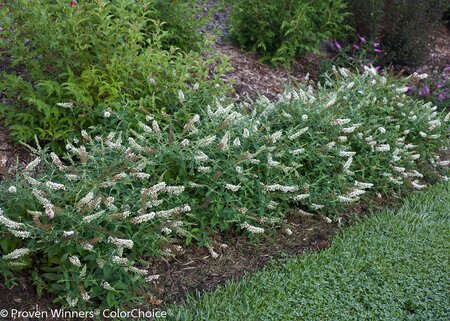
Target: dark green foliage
{"type": "Point", "coordinates": [281, 29]}
{"type": "Point", "coordinates": [182, 22]}
{"type": "Point", "coordinates": [366, 16]}
{"type": "Point", "coordinates": [404, 27]}
{"type": "Point", "coordinates": [446, 16]}
{"type": "Point", "coordinates": [407, 28]}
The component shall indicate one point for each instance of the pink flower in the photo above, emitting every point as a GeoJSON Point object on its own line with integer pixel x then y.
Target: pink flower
{"type": "Point", "coordinates": [378, 50]}
{"type": "Point", "coordinates": [73, 3]}
{"type": "Point", "coordinates": [338, 45]}
{"type": "Point", "coordinates": [356, 47]}
{"type": "Point", "coordinates": [361, 38]}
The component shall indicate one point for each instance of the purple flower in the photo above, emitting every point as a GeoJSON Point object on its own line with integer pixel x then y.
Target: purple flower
{"type": "Point", "coordinates": [361, 38]}
{"type": "Point", "coordinates": [338, 45]}
{"type": "Point", "coordinates": [441, 97]}
{"type": "Point", "coordinates": [426, 90]}
{"type": "Point", "coordinates": [351, 58]}
{"type": "Point", "coordinates": [356, 47]}
{"type": "Point", "coordinates": [376, 44]}
{"type": "Point", "coordinates": [377, 67]}
{"type": "Point", "coordinates": [447, 68]}
{"type": "Point", "coordinates": [378, 50]}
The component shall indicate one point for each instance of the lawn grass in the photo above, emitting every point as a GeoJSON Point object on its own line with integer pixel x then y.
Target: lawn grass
{"type": "Point", "coordinates": [391, 266]}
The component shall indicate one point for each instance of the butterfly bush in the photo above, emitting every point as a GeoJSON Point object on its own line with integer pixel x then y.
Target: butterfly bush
{"type": "Point", "coordinates": [92, 218]}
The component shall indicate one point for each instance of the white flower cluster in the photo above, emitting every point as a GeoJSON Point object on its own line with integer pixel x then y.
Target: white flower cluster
{"type": "Point", "coordinates": [120, 260]}
{"type": "Point", "coordinates": [107, 286]}
{"type": "Point", "coordinates": [65, 105]}
{"type": "Point", "coordinates": [92, 217]}
{"type": "Point", "coordinates": [252, 229]}
{"type": "Point", "coordinates": [300, 197]}
{"type": "Point", "coordinates": [57, 161]}
{"type": "Point", "coordinates": [55, 186]}
{"type": "Point", "coordinates": [86, 200]}
{"type": "Point", "coordinates": [383, 148]}
{"type": "Point", "coordinates": [16, 254]}
{"type": "Point", "coordinates": [231, 187]}
{"type": "Point", "coordinates": [173, 211]}
{"type": "Point", "coordinates": [75, 260]}
{"type": "Point", "coordinates": [124, 243]}
{"type": "Point", "coordinates": [298, 133]}
{"type": "Point", "coordinates": [20, 234]}
{"type": "Point", "coordinates": [281, 188]}
{"type": "Point", "coordinates": [276, 136]}
{"type": "Point", "coordinates": [32, 165]}
{"type": "Point", "coordinates": [340, 121]}
{"type": "Point", "coordinates": [346, 154]}
{"type": "Point", "coordinates": [9, 223]}
{"type": "Point", "coordinates": [48, 206]}
{"type": "Point", "coordinates": [363, 185]}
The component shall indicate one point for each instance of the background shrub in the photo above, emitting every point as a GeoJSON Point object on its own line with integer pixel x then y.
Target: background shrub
{"type": "Point", "coordinates": [95, 55]}
{"type": "Point", "coordinates": [403, 27]}
{"type": "Point", "coordinates": [446, 16]}
{"type": "Point", "coordinates": [91, 219]}
{"type": "Point", "coordinates": [366, 17]}
{"type": "Point", "coordinates": [281, 29]}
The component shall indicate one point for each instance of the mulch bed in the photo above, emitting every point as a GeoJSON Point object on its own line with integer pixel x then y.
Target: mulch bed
{"type": "Point", "coordinates": [250, 78]}
{"type": "Point", "coordinates": [197, 271]}
{"type": "Point", "coordinates": [22, 296]}
{"type": "Point", "coordinates": [11, 153]}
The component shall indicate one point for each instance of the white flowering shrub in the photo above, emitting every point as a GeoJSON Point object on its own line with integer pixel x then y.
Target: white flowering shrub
{"type": "Point", "coordinates": [90, 219]}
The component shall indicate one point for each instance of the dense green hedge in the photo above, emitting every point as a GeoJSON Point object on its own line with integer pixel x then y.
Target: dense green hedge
{"type": "Point", "coordinates": [281, 29]}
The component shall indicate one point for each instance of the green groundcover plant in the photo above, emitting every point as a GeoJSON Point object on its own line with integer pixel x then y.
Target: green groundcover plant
{"type": "Point", "coordinates": [281, 29]}
{"type": "Point", "coordinates": [87, 222]}
{"type": "Point", "coordinates": [77, 58]}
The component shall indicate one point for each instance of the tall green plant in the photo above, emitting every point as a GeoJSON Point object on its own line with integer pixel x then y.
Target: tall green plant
{"type": "Point", "coordinates": [93, 55]}
{"type": "Point", "coordinates": [281, 29]}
